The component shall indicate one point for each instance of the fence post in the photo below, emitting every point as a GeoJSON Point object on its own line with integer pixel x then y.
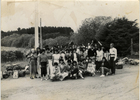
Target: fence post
{"type": "Point", "coordinates": [131, 46]}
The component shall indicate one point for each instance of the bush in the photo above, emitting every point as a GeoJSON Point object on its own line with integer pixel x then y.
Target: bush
{"type": "Point", "coordinates": [7, 56]}
{"type": "Point", "coordinates": [61, 40]}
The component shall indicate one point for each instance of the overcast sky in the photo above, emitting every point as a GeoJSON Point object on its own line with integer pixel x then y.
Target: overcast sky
{"type": "Point", "coordinates": [21, 14]}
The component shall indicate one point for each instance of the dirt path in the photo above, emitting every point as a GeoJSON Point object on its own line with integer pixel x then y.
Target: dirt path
{"type": "Point", "coordinates": [123, 86]}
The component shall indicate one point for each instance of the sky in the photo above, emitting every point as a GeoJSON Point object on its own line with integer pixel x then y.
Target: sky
{"type": "Point", "coordinates": [21, 13]}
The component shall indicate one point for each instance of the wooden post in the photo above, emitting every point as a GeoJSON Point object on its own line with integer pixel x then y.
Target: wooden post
{"type": "Point", "coordinates": [36, 26]}
{"type": "Point", "coordinates": [40, 35]}
{"type": "Point", "coordinates": [131, 46]}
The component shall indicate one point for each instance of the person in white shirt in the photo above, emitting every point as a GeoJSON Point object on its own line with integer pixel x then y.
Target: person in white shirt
{"type": "Point", "coordinates": [55, 57]}
{"type": "Point", "coordinates": [99, 58]}
{"type": "Point", "coordinates": [113, 57]}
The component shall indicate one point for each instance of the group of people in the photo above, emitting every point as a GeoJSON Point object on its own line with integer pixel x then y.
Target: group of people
{"type": "Point", "coordinates": [72, 62]}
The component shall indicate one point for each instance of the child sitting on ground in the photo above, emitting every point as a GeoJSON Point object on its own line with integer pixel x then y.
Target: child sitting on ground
{"type": "Point", "coordinates": [56, 72]}
{"type": "Point", "coordinates": [75, 72]}
{"type": "Point", "coordinates": [63, 69]}
{"type": "Point", "coordinates": [91, 67]}
{"type": "Point", "coordinates": [83, 66]}
{"type": "Point", "coordinates": [104, 68]}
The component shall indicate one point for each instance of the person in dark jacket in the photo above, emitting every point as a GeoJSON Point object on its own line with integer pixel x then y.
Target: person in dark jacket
{"type": "Point", "coordinates": [92, 53]}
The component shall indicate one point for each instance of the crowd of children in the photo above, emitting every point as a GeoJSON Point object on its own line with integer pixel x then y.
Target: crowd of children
{"type": "Point", "coordinates": [60, 63]}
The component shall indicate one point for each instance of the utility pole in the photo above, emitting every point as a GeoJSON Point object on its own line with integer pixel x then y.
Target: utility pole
{"type": "Point", "coordinates": [36, 25]}
{"type": "Point", "coordinates": [131, 46]}
{"type": "Point", "coordinates": [40, 35]}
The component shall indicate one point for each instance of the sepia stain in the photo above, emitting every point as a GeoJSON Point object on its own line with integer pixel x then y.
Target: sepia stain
{"type": "Point", "coordinates": [73, 17]}
{"type": "Point", "coordinates": [32, 23]}
{"type": "Point", "coordinates": [106, 4]}
{"type": "Point", "coordinates": [7, 8]}
{"type": "Point", "coordinates": [128, 12]}
{"type": "Point", "coordinates": [137, 77]}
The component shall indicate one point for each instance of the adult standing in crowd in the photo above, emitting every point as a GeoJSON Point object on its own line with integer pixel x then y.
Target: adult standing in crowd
{"type": "Point", "coordinates": [113, 57]}
{"type": "Point", "coordinates": [92, 53]}
{"type": "Point", "coordinates": [55, 57]}
{"type": "Point", "coordinates": [43, 60]}
{"type": "Point", "coordinates": [74, 55]}
{"type": "Point", "coordinates": [99, 58]}
{"type": "Point", "coordinates": [33, 63]}
{"type": "Point", "coordinates": [38, 51]}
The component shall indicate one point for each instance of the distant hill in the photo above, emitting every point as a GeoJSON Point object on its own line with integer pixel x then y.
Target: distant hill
{"type": "Point", "coordinates": [48, 32]}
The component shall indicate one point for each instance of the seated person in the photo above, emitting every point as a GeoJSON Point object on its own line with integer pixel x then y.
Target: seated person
{"type": "Point", "coordinates": [56, 73]}
{"type": "Point", "coordinates": [91, 67]}
{"type": "Point", "coordinates": [104, 70]}
{"type": "Point", "coordinates": [68, 68]}
{"type": "Point", "coordinates": [75, 72]}
{"type": "Point", "coordinates": [83, 66]}
{"type": "Point", "coordinates": [63, 69]}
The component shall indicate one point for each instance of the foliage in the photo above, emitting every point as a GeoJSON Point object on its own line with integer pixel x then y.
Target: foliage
{"type": "Point", "coordinates": [64, 31]}
{"type": "Point", "coordinates": [120, 31]}
{"type": "Point", "coordinates": [11, 56]}
{"type": "Point", "coordinates": [61, 40]}
{"type": "Point", "coordinates": [90, 27]}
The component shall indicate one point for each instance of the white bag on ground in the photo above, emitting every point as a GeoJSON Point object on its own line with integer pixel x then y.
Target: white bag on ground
{"type": "Point", "coordinates": [15, 74]}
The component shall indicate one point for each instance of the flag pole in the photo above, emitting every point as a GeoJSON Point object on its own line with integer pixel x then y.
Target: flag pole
{"type": "Point", "coordinates": [40, 35]}
{"type": "Point", "coordinates": [36, 26]}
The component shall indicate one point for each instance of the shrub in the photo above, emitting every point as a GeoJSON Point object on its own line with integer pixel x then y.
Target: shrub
{"type": "Point", "coordinates": [7, 56]}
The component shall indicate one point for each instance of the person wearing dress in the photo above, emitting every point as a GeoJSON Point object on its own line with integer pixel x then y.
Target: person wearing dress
{"type": "Point", "coordinates": [43, 61]}
{"type": "Point", "coordinates": [91, 67]}
{"type": "Point", "coordinates": [113, 57]}
{"type": "Point", "coordinates": [33, 63]}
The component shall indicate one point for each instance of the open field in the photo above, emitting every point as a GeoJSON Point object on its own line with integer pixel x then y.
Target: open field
{"type": "Point", "coordinates": [122, 86]}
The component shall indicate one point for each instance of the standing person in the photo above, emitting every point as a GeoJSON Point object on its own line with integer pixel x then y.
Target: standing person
{"type": "Point", "coordinates": [55, 57]}
{"type": "Point", "coordinates": [99, 58]}
{"type": "Point", "coordinates": [38, 63]}
{"type": "Point", "coordinates": [113, 57]}
{"type": "Point", "coordinates": [74, 55]}
{"type": "Point", "coordinates": [62, 54]}
{"type": "Point", "coordinates": [33, 63]}
{"type": "Point", "coordinates": [92, 53]}
{"type": "Point", "coordinates": [89, 46]}
{"type": "Point", "coordinates": [43, 59]}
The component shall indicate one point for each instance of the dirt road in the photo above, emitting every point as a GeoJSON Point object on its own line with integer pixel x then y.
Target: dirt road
{"type": "Point", "coordinates": [122, 86]}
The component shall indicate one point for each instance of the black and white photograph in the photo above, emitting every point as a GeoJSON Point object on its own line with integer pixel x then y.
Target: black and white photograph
{"type": "Point", "coordinates": [70, 49]}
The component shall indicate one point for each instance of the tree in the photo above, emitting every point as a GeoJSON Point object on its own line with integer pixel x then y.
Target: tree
{"type": "Point", "coordinates": [120, 31]}
{"type": "Point", "coordinates": [90, 28]}
{"type": "Point", "coordinates": [18, 29]}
